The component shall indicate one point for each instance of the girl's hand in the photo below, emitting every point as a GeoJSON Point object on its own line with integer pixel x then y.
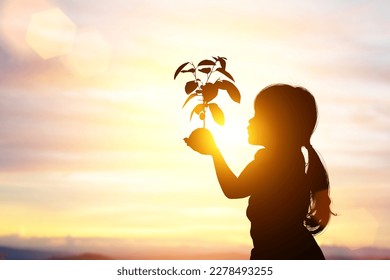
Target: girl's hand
{"type": "Point", "coordinates": [202, 141]}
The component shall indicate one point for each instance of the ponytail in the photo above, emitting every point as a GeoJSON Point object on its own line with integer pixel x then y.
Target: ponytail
{"type": "Point", "coordinates": [319, 211]}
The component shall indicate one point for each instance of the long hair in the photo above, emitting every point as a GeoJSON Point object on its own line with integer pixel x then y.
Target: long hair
{"type": "Point", "coordinates": [294, 111]}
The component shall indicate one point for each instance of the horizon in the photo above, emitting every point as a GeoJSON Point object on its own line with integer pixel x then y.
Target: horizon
{"type": "Point", "coordinates": [171, 253]}
{"type": "Point", "coordinates": [91, 141]}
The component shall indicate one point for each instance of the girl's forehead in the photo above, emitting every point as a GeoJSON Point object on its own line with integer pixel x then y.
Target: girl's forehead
{"type": "Point", "coordinates": [261, 114]}
{"type": "Point", "coordinates": [263, 109]}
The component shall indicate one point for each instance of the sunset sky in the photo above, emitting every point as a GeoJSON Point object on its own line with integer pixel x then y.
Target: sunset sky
{"type": "Point", "coordinates": [91, 120]}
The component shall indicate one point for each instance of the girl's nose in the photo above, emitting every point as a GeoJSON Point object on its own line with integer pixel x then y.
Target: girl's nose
{"type": "Point", "coordinates": [250, 123]}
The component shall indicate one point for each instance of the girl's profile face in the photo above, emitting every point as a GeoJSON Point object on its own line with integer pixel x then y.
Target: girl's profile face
{"type": "Point", "coordinates": [264, 128]}
{"type": "Point", "coordinates": [260, 131]}
{"type": "Point", "coordinates": [267, 129]}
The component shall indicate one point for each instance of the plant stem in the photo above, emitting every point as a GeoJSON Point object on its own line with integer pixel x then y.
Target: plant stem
{"type": "Point", "coordinates": [204, 119]}
{"type": "Point", "coordinates": [208, 75]}
{"type": "Point", "coordinates": [194, 73]}
{"type": "Point", "coordinates": [204, 113]}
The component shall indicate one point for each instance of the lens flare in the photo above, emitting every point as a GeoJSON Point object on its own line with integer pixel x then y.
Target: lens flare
{"type": "Point", "coordinates": [15, 16]}
{"type": "Point", "coordinates": [51, 33]}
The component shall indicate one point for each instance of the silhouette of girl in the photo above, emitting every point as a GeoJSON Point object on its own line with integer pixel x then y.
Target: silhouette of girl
{"type": "Point", "coordinates": [288, 200]}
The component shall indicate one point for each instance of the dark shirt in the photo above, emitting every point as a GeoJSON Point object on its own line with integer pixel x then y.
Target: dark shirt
{"type": "Point", "coordinates": [278, 204]}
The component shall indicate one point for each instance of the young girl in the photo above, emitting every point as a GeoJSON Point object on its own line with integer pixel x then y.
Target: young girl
{"type": "Point", "coordinates": [288, 200]}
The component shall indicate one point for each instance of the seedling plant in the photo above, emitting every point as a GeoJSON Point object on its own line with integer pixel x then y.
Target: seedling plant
{"type": "Point", "coordinates": [206, 85]}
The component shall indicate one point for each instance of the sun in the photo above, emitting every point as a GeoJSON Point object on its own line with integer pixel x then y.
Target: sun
{"type": "Point", "coordinates": [230, 136]}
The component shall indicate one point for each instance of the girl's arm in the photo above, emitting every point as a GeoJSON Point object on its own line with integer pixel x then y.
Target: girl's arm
{"type": "Point", "coordinates": [228, 181]}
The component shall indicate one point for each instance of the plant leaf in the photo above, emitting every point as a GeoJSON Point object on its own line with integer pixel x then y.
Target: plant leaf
{"type": "Point", "coordinates": [179, 69]}
{"type": "Point", "coordinates": [192, 70]}
{"type": "Point", "coordinates": [217, 114]}
{"type": "Point", "coordinates": [227, 74]}
{"type": "Point", "coordinates": [231, 89]}
{"type": "Point", "coordinates": [198, 108]}
{"type": "Point", "coordinates": [209, 91]}
{"type": "Point", "coordinates": [206, 62]}
{"type": "Point", "coordinates": [189, 98]}
{"type": "Point", "coordinates": [205, 70]}
{"type": "Point", "coordinates": [222, 62]}
{"type": "Point", "coordinates": [191, 86]}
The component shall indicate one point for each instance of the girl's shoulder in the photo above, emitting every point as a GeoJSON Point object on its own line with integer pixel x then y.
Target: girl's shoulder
{"type": "Point", "coordinates": [256, 167]}
{"type": "Point", "coordinates": [260, 154]}
{"type": "Point", "coordinates": [263, 157]}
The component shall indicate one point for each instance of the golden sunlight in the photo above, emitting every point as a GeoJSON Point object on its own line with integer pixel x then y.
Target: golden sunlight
{"type": "Point", "coordinates": [231, 136]}
{"type": "Point", "coordinates": [92, 119]}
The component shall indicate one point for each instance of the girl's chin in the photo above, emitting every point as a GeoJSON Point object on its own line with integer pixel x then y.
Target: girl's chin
{"type": "Point", "coordinates": [255, 141]}
{"type": "Point", "coordinates": [252, 141]}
